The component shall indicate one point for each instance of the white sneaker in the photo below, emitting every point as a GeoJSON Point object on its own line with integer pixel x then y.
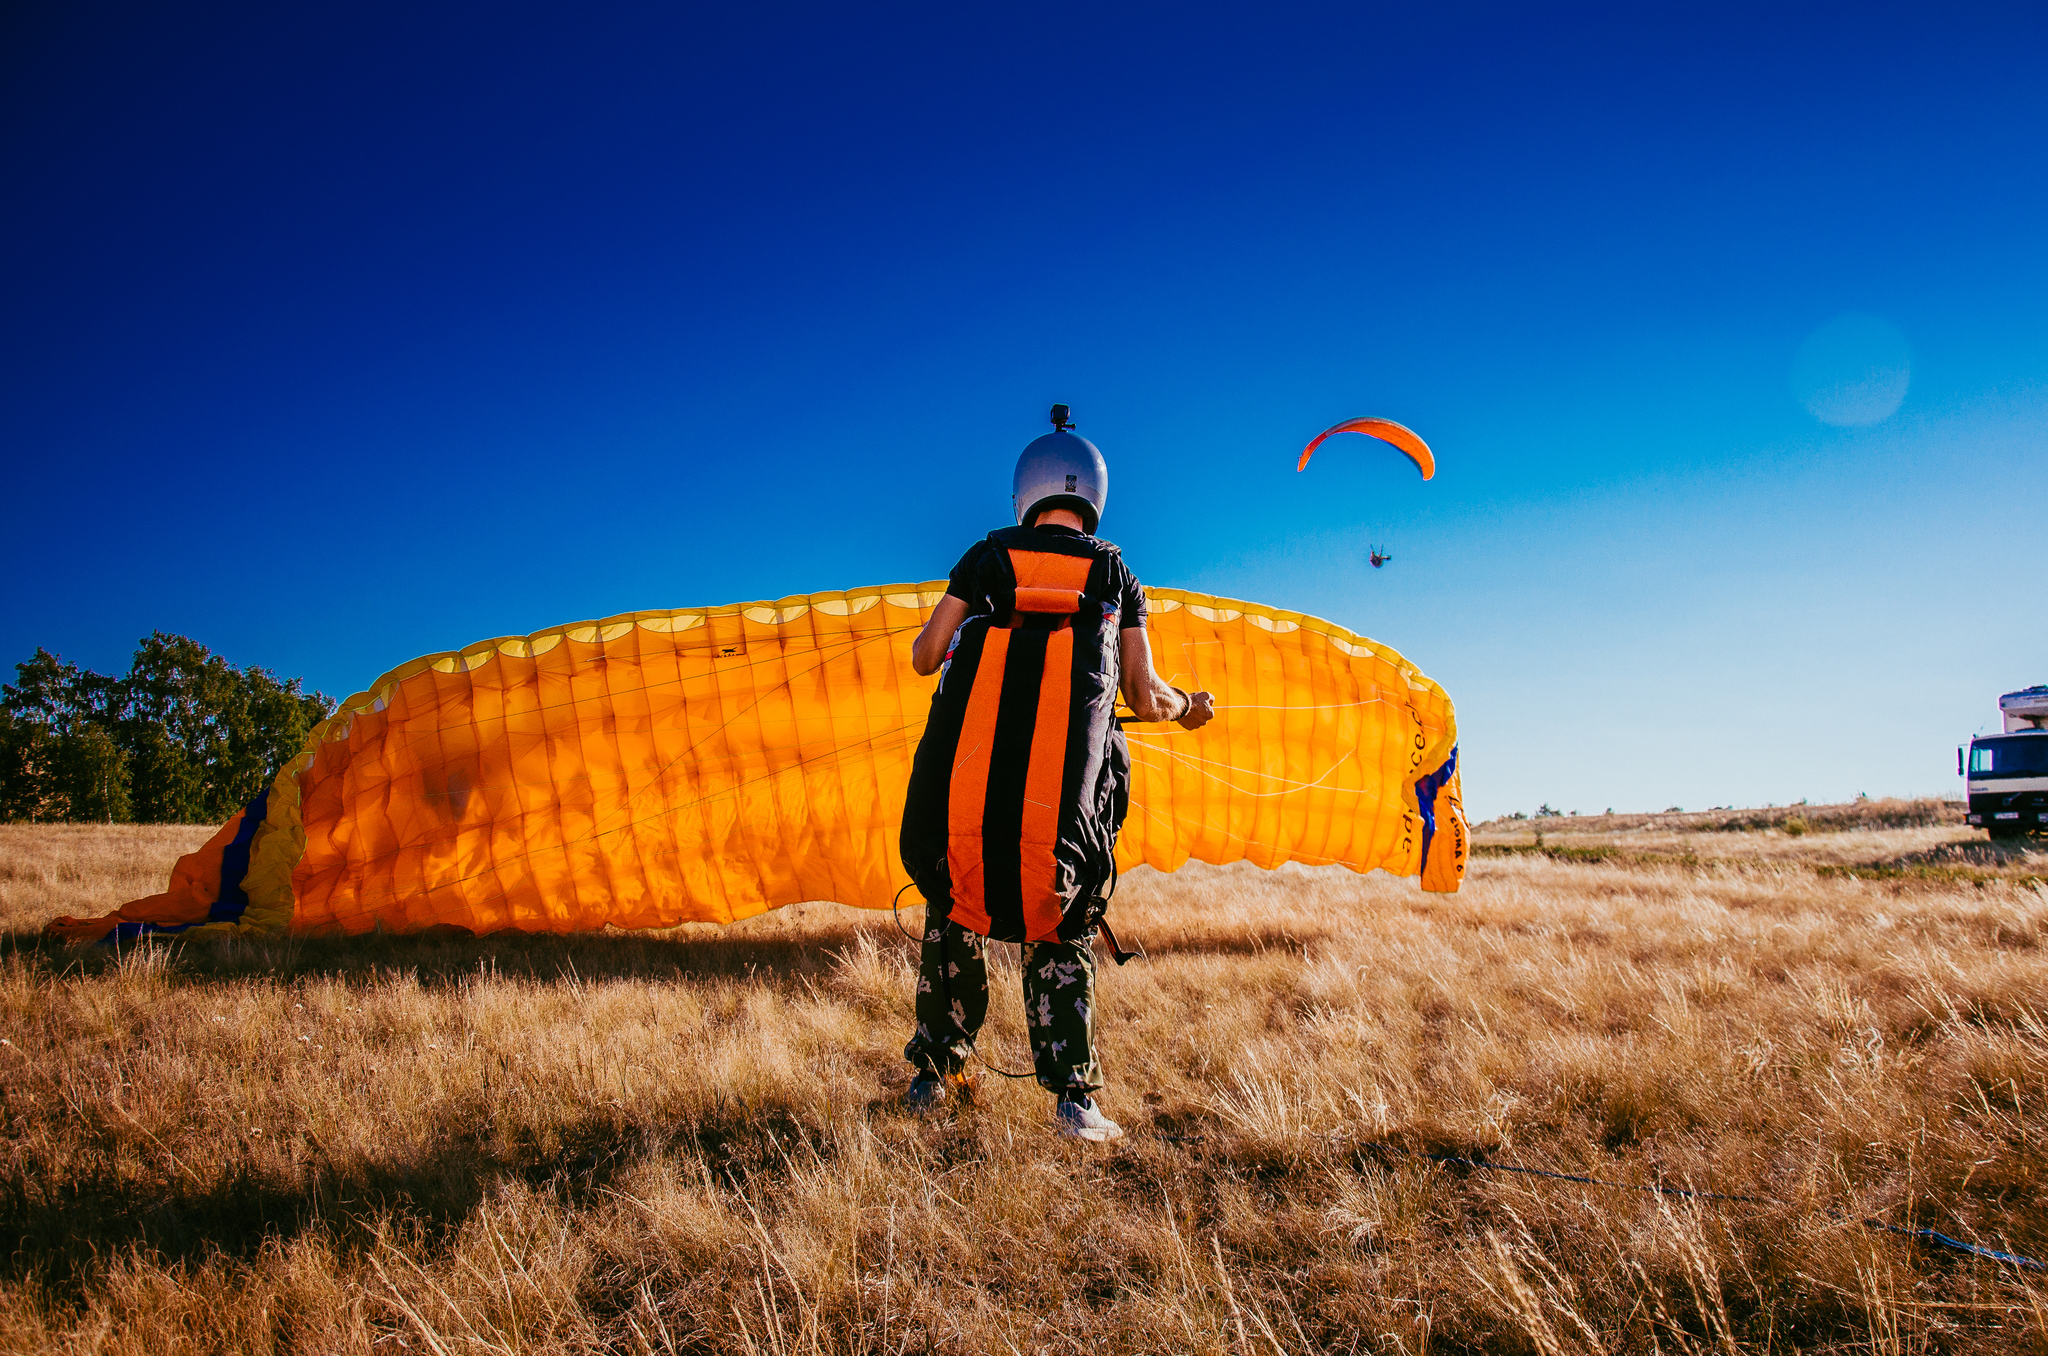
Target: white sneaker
{"type": "Point", "coordinates": [1080, 1120]}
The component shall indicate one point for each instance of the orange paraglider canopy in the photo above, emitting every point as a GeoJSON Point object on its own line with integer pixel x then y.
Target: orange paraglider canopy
{"type": "Point", "coordinates": [1387, 431]}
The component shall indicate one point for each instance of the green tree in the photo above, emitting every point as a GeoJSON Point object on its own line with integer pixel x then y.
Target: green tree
{"type": "Point", "coordinates": [57, 758]}
{"type": "Point", "coordinates": [28, 755]}
{"type": "Point", "coordinates": [203, 736]}
{"type": "Point", "coordinates": [45, 775]}
{"type": "Point", "coordinates": [182, 737]}
{"type": "Point", "coordinates": [92, 775]}
{"type": "Point", "coordinates": [59, 695]}
{"type": "Point", "coordinates": [179, 699]}
{"type": "Point", "coordinates": [165, 785]}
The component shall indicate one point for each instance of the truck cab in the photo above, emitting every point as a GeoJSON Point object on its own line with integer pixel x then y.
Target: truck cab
{"type": "Point", "coordinates": [2007, 773]}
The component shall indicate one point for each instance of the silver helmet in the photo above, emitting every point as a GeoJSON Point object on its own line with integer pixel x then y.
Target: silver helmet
{"type": "Point", "coordinates": [1061, 470]}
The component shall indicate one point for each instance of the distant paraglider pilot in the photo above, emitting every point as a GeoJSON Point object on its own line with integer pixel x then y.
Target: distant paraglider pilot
{"type": "Point", "coordinates": [1022, 778]}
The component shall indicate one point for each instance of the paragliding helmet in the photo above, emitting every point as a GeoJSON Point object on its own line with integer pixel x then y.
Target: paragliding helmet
{"type": "Point", "coordinates": [1061, 470]}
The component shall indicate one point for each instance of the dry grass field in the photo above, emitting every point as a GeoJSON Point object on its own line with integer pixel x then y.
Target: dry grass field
{"type": "Point", "coordinates": [688, 1141]}
{"type": "Point", "coordinates": [1924, 838]}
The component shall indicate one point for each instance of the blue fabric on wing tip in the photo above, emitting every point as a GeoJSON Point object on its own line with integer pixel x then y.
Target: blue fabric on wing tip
{"type": "Point", "coordinates": [1425, 798]}
{"type": "Point", "coordinates": [234, 863]}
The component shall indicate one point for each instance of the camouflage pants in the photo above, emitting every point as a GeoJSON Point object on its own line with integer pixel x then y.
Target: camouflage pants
{"type": "Point", "coordinates": [1059, 1006]}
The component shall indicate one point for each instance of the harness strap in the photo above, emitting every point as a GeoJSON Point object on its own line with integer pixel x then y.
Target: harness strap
{"type": "Point", "coordinates": [968, 793]}
{"type": "Point", "coordinates": [1060, 602]}
{"type": "Point", "coordinates": [1044, 777]}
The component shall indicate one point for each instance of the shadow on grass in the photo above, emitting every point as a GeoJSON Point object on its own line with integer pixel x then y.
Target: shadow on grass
{"type": "Point", "coordinates": [451, 956]}
{"type": "Point", "coordinates": [61, 1234]}
{"type": "Point", "coordinates": [447, 957]}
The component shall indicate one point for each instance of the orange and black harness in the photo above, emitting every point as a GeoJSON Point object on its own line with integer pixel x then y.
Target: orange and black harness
{"type": "Point", "coordinates": [1022, 779]}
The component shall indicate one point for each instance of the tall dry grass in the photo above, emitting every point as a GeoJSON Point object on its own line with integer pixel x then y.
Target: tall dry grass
{"type": "Point", "coordinates": [689, 1141]}
{"type": "Point", "coordinates": [1911, 839]}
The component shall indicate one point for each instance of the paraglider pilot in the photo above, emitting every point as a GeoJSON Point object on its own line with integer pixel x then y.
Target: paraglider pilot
{"type": "Point", "coordinates": [1022, 778]}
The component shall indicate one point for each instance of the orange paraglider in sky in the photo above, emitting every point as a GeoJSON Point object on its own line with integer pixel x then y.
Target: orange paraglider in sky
{"type": "Point", "coordinates": [1387, 431]}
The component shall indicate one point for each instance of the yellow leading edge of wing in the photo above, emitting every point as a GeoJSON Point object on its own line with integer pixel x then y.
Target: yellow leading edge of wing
{"type": "Point", "coordinates": [710, 764]}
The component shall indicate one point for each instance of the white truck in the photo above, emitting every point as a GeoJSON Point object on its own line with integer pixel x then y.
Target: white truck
{"type": "Point", "coordinates": [2007, 774]}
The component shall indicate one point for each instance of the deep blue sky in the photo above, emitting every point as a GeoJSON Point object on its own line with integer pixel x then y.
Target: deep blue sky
{"type": "Point", "coordinates": [334, 334]}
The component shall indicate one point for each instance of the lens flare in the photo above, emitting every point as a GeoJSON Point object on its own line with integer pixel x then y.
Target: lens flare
{"type": "Point", "coordinates": [1853, 371]}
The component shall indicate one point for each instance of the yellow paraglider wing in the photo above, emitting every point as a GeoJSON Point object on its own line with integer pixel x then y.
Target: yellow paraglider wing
{"type": "Point", "coordinates": [709, 764]}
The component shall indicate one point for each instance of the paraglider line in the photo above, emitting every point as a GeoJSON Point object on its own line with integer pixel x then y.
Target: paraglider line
{"type": "Point", "coordinates": [819, 761]}
{"type": "Point", "coordinates": [759, 698]}
{"type": "Point", "coordinates": [1290, 786]}
{"type": "Point", "coordinates": [1322, 706]}
{"type": "Point", "coordinates": [896, 913]}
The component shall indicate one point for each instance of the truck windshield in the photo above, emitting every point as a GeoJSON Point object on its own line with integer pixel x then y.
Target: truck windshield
{"type": "Point", "coordinates": [2013, 756]}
